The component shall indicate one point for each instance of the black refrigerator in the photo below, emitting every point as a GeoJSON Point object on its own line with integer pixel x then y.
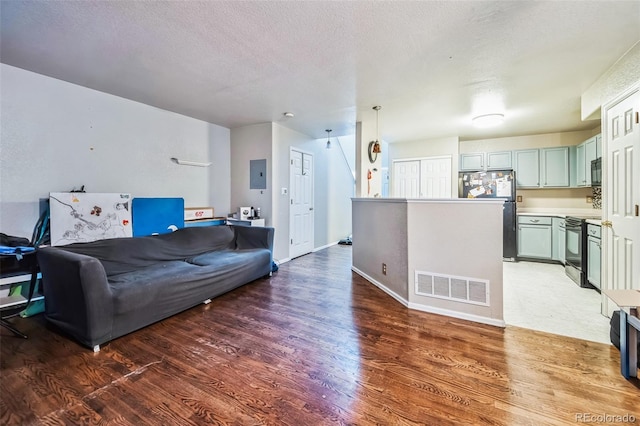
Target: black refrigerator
{"type": "Point", "coordinates": [499, 184]}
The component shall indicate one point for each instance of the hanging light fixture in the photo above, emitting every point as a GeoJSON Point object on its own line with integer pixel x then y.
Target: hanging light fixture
{"type": "Point", "coordinates": [374, 146]}
{"type": "Point", "coordinates": [328, 138]}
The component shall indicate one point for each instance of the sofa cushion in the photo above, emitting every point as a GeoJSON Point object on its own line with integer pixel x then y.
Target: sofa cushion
{"type": "Point", "coordinates": [226, 258]}
{"type": "Point", "coordinates": [164, 286]}
{"type": "Point", "coordinates": [122, 255]}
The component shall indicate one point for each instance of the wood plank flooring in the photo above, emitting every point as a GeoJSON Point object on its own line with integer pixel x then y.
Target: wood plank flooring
{"type": "Point", "coordinates": [314, 345]}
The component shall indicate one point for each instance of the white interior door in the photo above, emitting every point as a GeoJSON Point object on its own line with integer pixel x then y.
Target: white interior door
{"type": "Point", "coordinates": [406, 179]}
{"type": "Point", "coordinates": [621, 193]}
{"type": "Point", "coordinates": [435, 178]}
{"type": "Point", "coordinates": [301, 218]}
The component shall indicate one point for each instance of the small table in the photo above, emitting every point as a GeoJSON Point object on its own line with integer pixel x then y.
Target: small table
{"type": "Point", "coordinates": [247, 222]}
{"type": "Point", "coordinates": [28, 273]}
{"type": "Point", "coordinates": [629, 327]}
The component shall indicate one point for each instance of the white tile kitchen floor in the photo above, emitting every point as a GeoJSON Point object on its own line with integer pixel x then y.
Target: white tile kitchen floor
{"type": "Point", "coordinates": [540, 296]}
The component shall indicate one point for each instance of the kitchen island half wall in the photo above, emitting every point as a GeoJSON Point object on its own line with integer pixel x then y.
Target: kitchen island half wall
{"type": "Point", "coordinates": [439, 256]}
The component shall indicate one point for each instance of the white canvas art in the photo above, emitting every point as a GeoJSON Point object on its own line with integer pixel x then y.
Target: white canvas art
{"type": "Point", "coordinates": [80, 217]}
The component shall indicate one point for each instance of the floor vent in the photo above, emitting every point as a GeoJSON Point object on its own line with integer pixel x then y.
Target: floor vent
{"type": "Point", "coordinates": [459, 289]}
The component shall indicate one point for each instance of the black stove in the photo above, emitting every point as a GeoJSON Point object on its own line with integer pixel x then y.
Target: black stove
{"type": "Point", "coordinates": [576, 249]}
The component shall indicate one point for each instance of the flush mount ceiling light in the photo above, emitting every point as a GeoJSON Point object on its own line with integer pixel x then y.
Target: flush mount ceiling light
{"type": "Point", "coordinates": [488, 120]}
{"type": "Point", "coordinates": [328, 139]}
{"type": "Point", "coordinates": [374, 146]}
{"type": "Point", "coordinates": [288, 114]}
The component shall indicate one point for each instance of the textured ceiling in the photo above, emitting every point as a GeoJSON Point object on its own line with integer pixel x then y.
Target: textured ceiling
{"type": "Point", "coordinates": [432, 65]}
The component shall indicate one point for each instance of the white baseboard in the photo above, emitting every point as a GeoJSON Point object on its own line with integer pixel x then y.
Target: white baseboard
{"type": "Point", "coordinates": [430, 309]}
{"type": "Point", "coordinates": [324, 247]}
{"type": "Point", "coordinates": [381, 286]}
{"type": "Point", "coordinates": [459, 315]}
{"type": "Point", "coordinates": [285, 260]}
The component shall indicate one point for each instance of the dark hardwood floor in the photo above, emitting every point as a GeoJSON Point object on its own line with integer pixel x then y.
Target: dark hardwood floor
{"type": "Point", "coordinates": [314, 345]}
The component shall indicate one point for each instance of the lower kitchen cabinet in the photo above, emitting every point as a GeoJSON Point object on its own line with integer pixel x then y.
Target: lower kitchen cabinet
{"type": "Point", "coordinates": [535, 237]}
{"type": "Point", "coordinates": [558, 235]}
{"type": "Point", "coordinates": [594, 255]}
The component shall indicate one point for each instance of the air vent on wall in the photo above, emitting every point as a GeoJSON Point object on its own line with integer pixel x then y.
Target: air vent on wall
{"type": "Point", "coordinates": [449, 287]}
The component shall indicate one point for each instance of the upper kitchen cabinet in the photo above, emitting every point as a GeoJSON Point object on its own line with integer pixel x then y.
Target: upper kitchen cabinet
{"type": "Point", "coordinates": [586, 152]}
{"type": "Point", "coordinates": [472, 161]}
{"type": "Point", "coordinates": [527, 167]}
{"type": "Point", "coordinates": [555, 167]}
{"type": "Point", "coordinates": [581, 171]}
{"type": "Point", "coordinates": [499, 160]}
{"type": "Point", "coordinates": [476, 161]}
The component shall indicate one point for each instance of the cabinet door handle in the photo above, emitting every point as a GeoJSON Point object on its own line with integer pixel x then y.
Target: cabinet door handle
{"type": "Point", "coordinates": [534, 220]}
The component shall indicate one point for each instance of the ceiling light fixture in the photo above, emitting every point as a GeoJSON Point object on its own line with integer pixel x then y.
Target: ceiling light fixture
{"type": "Point", "coordinates": [374, 146]}
{"type": "Point", "coordinates": [488, 120]}
{"type": "Point", "coordinates": [328, 138]}
{"type": "Point", "coordinates": [288, 114]}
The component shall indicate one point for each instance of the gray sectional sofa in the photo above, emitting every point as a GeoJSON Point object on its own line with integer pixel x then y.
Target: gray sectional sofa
{"type": "Point", "coordinates": [98, 291]}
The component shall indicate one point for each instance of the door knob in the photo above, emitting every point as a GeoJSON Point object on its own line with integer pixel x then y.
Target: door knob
{"type": "Point", "coordinates": [607, 224]}
{"type": "Point", "coordinates": [310, 208]}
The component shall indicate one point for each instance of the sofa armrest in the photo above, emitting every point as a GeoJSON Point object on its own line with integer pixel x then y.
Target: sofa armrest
{"type": "Point", "coordinates": [248, 237]}
{"type": "Point", "coordinates": [77, 296]}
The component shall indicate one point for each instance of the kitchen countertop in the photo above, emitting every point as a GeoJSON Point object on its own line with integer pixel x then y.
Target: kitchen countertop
{"type": "Point", "coordinates": [560, 212]}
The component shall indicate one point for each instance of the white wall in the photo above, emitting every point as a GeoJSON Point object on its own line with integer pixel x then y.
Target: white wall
{"type": "Point", "coordinates": [365, 133]}
{"type": "Point", "coordinates": [425, 149]}
{"type": "Point", "coordinates": [251, 143]}
{"type": "Point", "coordinates": [333, 189]}
{"type": "Point", "coordinates": [616, 80]}
{"type": "Point", "coordinates": [528, 141]}
{"type": "Point", "coordinates": [333, 182]}
{"type": "Point", "coordinates": [56, 136]}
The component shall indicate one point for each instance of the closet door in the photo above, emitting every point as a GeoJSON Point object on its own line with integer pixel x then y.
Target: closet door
{"type": "Point", "coordinates": [435, 178]}
{"type": "Point", "coordinates": [406, 179]}
{"type": "Point", "coordinates": [424, 178]}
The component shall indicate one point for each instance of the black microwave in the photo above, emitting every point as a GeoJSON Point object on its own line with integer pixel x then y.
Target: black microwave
{"type": "Point", "coordinates": [596, 172]}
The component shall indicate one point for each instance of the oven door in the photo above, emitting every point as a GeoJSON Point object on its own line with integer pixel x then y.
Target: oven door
{"type": "Point", "coordinates": [573, 247]}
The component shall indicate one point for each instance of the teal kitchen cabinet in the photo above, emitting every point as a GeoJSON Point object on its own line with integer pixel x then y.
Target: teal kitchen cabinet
{"type": "Point", "coordinates": [581, 171]}
{"type": "Point", "coordinates": [558, 235]}
{"type": "Point", "coordinates": [555, 167]}
{"type": "Point", "coordinates": [476, 161]}
{"type": "Point", "coordinates": [500, 160]}
{"type": "Point", "coordinates": [535, 237]}
{"type": "Point", "coordinates": [472, 162]}
{"type": "Point", "coordinates": [527, 167]}
{"type": "Point", "coordinates": [594, 255]}
{"type": "Point", "coordinates": [586, 152]}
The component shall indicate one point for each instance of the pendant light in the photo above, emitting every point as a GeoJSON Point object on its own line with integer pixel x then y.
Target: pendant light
{"type": "Point", "coordinates": [376, 145]}
{"type": "Point", "coordinates": [328, 138]}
